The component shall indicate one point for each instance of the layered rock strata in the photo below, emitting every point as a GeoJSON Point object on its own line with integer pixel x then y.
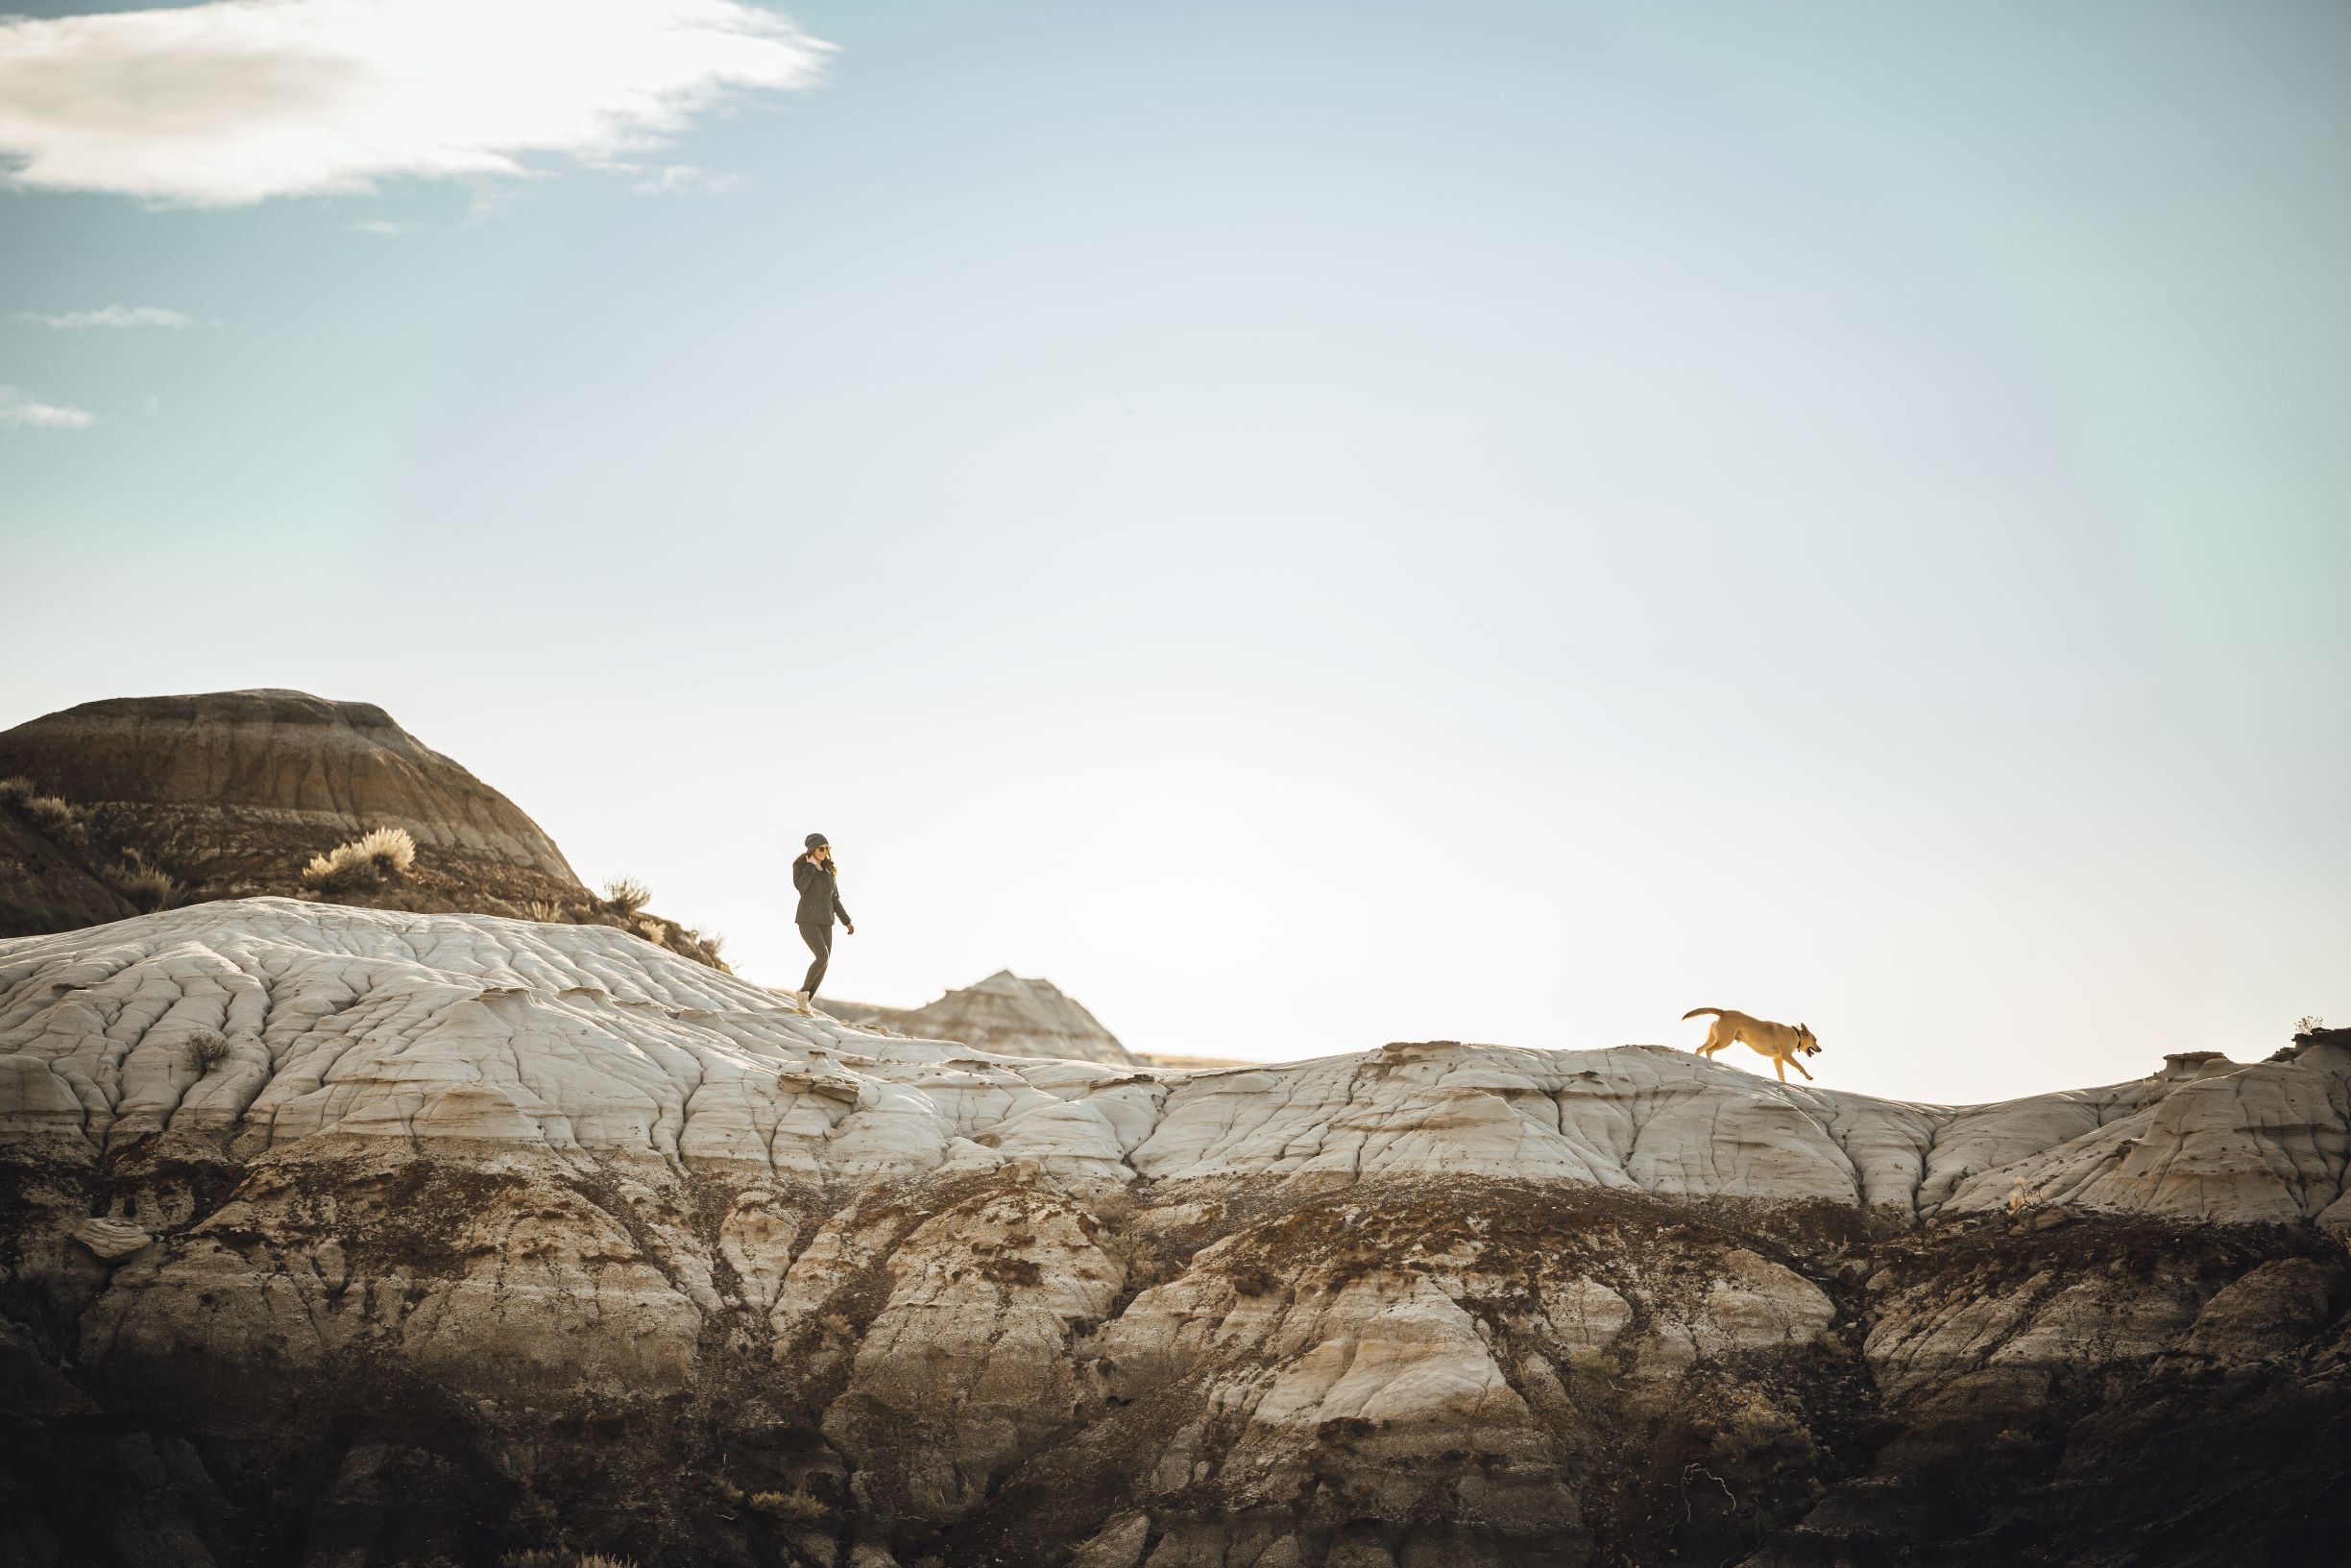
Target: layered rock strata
{"type": "Point", "coordinates": [232, 793]}
{"type": "Point", "coordinates": [484, 1236]}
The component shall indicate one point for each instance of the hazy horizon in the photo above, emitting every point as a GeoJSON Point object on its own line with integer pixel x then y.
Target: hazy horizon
{"type": "Point", "coordinates": [1307, 526]}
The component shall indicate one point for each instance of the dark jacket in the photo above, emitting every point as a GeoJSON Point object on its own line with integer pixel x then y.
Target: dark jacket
{"type": "Point", "coordinates": [819, 894]}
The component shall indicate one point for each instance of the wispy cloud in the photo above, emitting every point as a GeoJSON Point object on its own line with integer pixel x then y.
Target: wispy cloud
{"type": "Point", "coordinates": [237, 101]}
{"type": "Point", "coordinates": [112, 315]}
{"type": "Point", "coordinates": [684, 179]}
{"type": "Point", "coordinates": [19, 409]}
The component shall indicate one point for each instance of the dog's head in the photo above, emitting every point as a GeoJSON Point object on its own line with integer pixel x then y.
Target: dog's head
{"type": "Point", "coordinates": [1805, 1041]}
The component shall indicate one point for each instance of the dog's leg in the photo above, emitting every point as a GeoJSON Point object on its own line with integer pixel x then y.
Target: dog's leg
{"type": "Point", "coordinates": [1800, 1067]}
{"type": "Point", "coordinates": [1780, 1066]}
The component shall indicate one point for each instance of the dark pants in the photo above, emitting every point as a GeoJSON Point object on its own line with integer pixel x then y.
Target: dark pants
{"type": "Point", "coordinates": [819, 939]}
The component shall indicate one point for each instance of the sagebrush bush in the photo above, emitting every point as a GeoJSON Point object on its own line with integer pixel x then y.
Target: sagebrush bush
{"type": "Point", "coordinates": [149, 888]}
{"type": "Point", "coordinates": [15, 790]}
{"type": "Point", "coordinates": [546, 911]}
{"type": "Point", "coordinates": [626, 895]}
{"type": "Point", "coordinates": [795, 1505]}
{"type": "Point", "coordinates": [207, 1050]}
{"type": "Point", "coordinates": [56, 816]}
{"type": "Point", "coordinates": [363, 862]}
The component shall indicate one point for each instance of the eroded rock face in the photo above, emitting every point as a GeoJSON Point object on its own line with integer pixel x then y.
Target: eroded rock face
{"type": "Point", "coordinates": [488, 1235]}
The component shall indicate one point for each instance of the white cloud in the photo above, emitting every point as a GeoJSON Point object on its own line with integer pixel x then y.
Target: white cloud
{"type": "Point", "coordinates": [237, 101]}
{"type": "Point", "coordinates": [21, 409]}
{"type": "Point", "coordinates": [74, 320]}
{"type": "Point", "coordinates": [684, 179]}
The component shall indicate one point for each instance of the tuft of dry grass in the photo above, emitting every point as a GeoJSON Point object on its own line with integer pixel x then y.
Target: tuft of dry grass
{"type": "Point", "coordinates": [546, 911]}
{"type": "Point", "coordinates": [207, 1050]}
{"type": "Point", "coordinates": [52, 814]}
{"type": "Point", "coordinates": [149, 888]}
{"type": "Point", "coordinates": [626, 895]}
{"type": "Point", "coordinates": [799, 1507]}
{"type": "Point", "coordinates": [363, 862]}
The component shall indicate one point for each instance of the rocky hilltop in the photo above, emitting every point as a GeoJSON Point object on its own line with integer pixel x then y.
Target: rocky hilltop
{"type": "Point", "coordinates": [1002, 1014]}
{"type": "Point", "coordinates": [152, 801]}
{"type": "Point", "coordinates": [358, 1237]}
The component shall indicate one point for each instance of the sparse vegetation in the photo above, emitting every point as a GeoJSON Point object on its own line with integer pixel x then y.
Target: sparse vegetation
{"type": "Point", "coordinates": [2308, 1024]}
{"type": "Point", "coordinates": [51, 814]}
{"type": "Point", "coordinates": [364, 862]}
{"type": "Point", "coordinates": [626, 895]}
{"type": "Point", "coordinates": [544, 1556]}
{"type": "Point", "coordinates": [546, 911]}
{"type": "Point", "coordinates": [1592, 1363]}
{"type": "Point", "coordinates": [148, 887]}
{"type": "Point", "coordinates": [798, 1507]}
{"type": "Point", "coordinates": [207, 1050]}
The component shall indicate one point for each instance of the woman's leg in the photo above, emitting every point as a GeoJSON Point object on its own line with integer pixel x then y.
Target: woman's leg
{"type": "Point", "coordinates": [819, 939]}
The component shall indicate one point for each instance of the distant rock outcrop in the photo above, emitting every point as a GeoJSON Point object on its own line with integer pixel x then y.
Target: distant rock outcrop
{"type": "Point", "coordinates": [1004, 1014]}
{"type": "Point", "coordinates": [373, 1237]}
{"type": "Point", "coordinates": [230, 794]}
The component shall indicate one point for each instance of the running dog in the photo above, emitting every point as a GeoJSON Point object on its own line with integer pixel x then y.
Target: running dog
{"type": "Point", "coordinates": [1787, 1047]}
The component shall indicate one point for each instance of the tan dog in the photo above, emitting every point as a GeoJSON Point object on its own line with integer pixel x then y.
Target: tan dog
{"type": "Point", "coordinates": [1783, 1045]}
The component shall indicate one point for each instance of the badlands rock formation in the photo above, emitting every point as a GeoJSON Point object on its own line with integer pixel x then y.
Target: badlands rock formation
{"type": "Point", "coordinates": [480, 1236]}
{"type": "Point", "coordinates": [1005, 1015]}
{"type": "Point", "coordinates": [232, 792]}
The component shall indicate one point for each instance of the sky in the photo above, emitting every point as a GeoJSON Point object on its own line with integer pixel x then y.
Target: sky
{"type": "Point", "coordinates": [1305, 524]}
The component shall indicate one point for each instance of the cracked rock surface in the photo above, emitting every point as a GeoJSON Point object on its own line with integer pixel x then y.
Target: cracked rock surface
{"type": "Point", "coordinates": [488, 1235]}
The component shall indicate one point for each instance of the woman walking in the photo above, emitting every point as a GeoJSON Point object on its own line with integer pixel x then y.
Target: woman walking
{"type": "Point", "coordinates": [818, 880]}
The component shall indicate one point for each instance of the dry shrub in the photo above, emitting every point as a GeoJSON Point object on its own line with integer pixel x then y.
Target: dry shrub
{"type": "Point", "coordinates": [626, 895]}
{"type": "Point", "coordinates": [794, 1506]}
{"type": "Point", "coordinates": [546, 911]}
{"type": "Point", "coordinates": [15, 790]}
{"type": "Point", "coordinates": [363, 862]}
{"type": "Point", "coordinates": [207, 1050]}
{"type": "Point", "coordinates": [538, 1556]}
{"type": "Point", "coordinates": [54, 816]}
{"type": "Point", "coordinates": [149, 888]}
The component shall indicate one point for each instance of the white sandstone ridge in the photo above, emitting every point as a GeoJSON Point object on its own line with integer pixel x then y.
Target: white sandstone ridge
{"type": "Point", "coordinates": [369, 1023]}
{"type": "Point", "coordinates": [1005, 1015]}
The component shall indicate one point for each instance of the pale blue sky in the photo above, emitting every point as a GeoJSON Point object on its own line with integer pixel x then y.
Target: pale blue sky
{"type": "Point", "coordinates": [1319, 524]}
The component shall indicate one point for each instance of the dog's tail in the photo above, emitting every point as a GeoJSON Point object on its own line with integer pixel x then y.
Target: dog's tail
{"type": "Point", "coordinates": [1695, 1011]}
